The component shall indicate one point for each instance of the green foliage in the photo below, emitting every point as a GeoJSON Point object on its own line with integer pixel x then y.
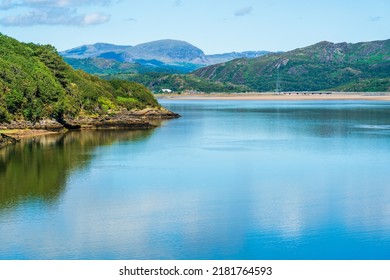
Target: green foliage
{"type": "Point", "coordinates": [101, 65]}
{"type": "Point", "coordinates": [367, 85]}
{"type": "Point", "coordinates": [4, 116]}
{"type": "Point", "coordinates": [104, 66]}
{"type": "Point", "coordinates": [14, 100]}
{"type": "Point", "coordinates": [134, 91]}
{"type": "Point", "coordinates": [179, 82]}
{"type": "Point", "coordinates": [106, 104]}
{"type": "Point", "coordinates": [128, 102]}
{"type": "Point", "coordinates": [36, 83]}
{"type": "Point", "coordinates": [34, 110]}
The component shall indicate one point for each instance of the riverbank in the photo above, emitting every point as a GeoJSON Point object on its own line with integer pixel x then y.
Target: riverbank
{"type": "Point", "coordinates": [380, 96]}
{"type": "Point", "coordinates": [135, 119]}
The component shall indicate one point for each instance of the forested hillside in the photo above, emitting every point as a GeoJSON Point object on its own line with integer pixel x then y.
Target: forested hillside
{"type": "Point", "coordinates": [36, 83]}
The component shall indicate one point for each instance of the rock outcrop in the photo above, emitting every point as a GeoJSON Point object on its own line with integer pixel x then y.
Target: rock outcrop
{"type": "Point", "coordinates": [134, 119]}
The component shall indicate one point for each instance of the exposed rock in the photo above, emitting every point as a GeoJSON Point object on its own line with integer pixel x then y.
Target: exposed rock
{"type": "Point", "coordinates": [116, 122]}
{"type": "Point", "coordinates": [134, 119]}
{"type": "Point", "coordinates": [154, 113]}
{"type": "Point", "coordinates": [46, 124]}
{"type": "Point", "coordinates": [129, 119]}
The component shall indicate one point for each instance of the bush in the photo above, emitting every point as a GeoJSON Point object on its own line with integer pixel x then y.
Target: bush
{"type": "Point", "coordinates": [128, 102]}
{"type": "Point", "coordinates": [106, 104]}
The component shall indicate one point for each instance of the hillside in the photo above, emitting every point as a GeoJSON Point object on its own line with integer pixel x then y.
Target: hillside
{"type": "Point", "coordinates": [361, 66]}
{"type": "Point", "coordinates": [37, 84]}
{"type": "Point", "coordinates": [100, 66]}
{"type": "Point", "coordinates": [178, 82]}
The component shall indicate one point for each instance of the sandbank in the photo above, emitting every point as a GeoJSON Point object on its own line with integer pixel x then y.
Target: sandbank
{"type": "Point", "coordinates": [383, 96]}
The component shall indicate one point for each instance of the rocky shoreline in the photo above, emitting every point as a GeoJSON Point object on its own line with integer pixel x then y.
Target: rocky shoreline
{"type": "Point", "coordinates": [134, 119]}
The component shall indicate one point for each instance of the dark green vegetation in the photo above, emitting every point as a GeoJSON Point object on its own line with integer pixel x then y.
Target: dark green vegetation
{"type": "Point", "coordinates": [104, 66]}
{"type": "Point", "coordinates": [323, 66]}
{"type": "Point", "coordinates": [36, 83]}
{"type": "Point", "coordinates": [179, 83]}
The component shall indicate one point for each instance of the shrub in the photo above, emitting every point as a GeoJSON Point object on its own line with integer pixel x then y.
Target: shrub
{"type": "Point", "coordinates": [128, 102]}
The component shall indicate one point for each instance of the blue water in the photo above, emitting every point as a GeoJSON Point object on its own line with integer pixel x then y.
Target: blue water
{"type": "Point", "coordinates": [228, 180]}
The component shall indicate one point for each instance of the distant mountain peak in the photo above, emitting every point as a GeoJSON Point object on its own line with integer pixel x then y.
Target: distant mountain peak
{"type": "Point", "coordinates": [169, 50]}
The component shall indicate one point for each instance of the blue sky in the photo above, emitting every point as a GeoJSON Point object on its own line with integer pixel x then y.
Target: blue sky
{"type": "Point", "coordinates": [215, 26]}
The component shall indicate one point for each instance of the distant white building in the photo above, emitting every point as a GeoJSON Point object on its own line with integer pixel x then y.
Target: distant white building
{"type": "Point", "coordinates": [166, 90]}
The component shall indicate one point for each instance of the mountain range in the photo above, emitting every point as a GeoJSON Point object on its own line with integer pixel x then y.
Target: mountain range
{"type": "Point", "coordinates": [171, 56]}
{"type": "Point", "coordinates": [181, 66]}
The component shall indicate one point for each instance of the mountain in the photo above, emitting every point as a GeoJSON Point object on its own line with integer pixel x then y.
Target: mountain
{"type": "Point", "coordinates": [170, 56]}
{"type": "Point", "coordinates": [37, 84]}
{"type": "Point", "coordinates": [94, 50]}
{"type": "Point", "coordinates": [318, 67]}
{"type": "Point", "coordinates": [168, 51]}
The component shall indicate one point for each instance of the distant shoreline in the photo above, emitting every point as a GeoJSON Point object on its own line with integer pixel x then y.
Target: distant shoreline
{"type": "Point", "coordinates": [377, 96]}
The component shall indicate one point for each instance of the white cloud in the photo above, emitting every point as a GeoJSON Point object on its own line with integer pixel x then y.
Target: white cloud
{"type": "Point", "coordinates": [243, 12]}
{"type": "Point", "coordinates": [94, 19]}
{"type": "Point", "coordinates": [55, 16]}
{"type": "Point", "coordinates": [7, 4]}
{"type": "Point", "coordinates": [53, 12]}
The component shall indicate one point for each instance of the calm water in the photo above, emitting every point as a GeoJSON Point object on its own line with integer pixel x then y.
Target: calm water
{"type": "Point", "coordinates": [228, 180]}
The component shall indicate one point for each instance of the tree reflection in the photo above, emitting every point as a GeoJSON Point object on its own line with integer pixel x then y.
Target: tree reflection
{"type": "Point", "coordinates": [38, 168]}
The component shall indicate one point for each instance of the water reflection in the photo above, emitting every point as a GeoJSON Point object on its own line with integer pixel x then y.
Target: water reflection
{"type": "Point", "coordinates": [218, 183]}
{"type": "Point", "coordinates": [320, 119]}
{"type": "Point", "coordinates": [38, 168]}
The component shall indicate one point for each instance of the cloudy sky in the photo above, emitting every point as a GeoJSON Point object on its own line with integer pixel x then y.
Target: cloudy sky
{"type": "Point", "coordinates": [215, 26]}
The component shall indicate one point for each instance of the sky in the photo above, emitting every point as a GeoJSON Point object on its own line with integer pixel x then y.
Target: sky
{"type": "Point", "coordinates": [215, 26]}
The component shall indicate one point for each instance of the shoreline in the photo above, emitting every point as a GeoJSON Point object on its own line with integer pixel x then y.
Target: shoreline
{"type": "Point", "coordinates": [384, 96]}
{"type": "Point", "coordinates": [11, 133]}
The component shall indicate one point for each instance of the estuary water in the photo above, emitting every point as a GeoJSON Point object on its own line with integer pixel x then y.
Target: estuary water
{"type": "Point", "coordinates": [228, 180]}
